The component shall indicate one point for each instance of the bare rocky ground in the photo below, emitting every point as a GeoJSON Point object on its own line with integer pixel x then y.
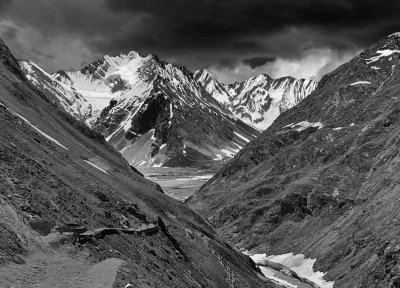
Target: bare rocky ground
{"type": "Point", "coordinates": [61, 182]}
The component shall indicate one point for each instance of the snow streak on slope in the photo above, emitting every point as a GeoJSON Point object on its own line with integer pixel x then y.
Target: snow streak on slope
{"type": "Point", "coordinates": [37, 129]}
{"type": "Point", "coordinates": [259, 100]}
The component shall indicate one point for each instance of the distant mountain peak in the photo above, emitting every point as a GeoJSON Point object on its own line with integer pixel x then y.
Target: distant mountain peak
{"type": "Point", "coordinates": [260, 99]}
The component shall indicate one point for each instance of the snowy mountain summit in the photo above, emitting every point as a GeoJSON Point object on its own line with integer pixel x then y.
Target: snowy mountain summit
{"type": "Point", "coordinates": [259, 100]}
{"type": "Point", "coordinates": [153, 112]}
{"type": "Point", "coordinates": [157, 114]}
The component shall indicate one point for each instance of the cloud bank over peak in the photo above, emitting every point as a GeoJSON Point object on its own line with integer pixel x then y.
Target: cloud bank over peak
{"type": "Point", "coordinates": [234, 38]}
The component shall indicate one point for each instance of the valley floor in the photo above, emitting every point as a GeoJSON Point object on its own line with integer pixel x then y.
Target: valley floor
{"type": "Point", "coordinates": [181, 183]}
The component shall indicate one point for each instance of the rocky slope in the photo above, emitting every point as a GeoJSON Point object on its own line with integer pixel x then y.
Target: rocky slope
{"type": "Point", "coordinates": [323, 179]}
{"type": "Point", "coordinates": [152, 112]}
{"type": "Point", "coordinates": [259, 100]}
{"type": "Point", "coordinates": [74, 213]}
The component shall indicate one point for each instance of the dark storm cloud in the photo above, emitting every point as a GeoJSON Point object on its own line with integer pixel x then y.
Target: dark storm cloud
{"type": "Point", "coordinates": [194, 33]}
{"type": "Point", "coordinates": [258, 61]}
{"type": "Point", "coordinates": [205, 22]}
{"type": "Point", "coordinates": [4, 4]}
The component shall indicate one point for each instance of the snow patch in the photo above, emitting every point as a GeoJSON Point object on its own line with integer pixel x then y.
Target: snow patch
{"type": "Point", "coordinates": [218, 157]}
{"type": "Point", "coordinates": [95, 166]}
{"type": "Point", "coordinates": [381, 53]}
{"type": "Point", "coordinates": [171, 112]}
{"type": "Point", "coordinates": [152, 131]}
{"type": "Point", "coordinates": [360, 83]}
{"type": "Point", "coordinates": [242, 137]}
{"type": "Point", "coordinates": [40, 131]}
{"type": "Point", "coordinates": [299, 264]}
{"type": "Point", "coordinates": [230, 152]}
{"type": "Point", "coordinates": [304, 125]}
{"type": "Point", "coordinates": [184, 150]}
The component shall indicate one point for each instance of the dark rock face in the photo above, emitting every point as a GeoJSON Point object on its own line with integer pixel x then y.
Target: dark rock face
{"type": "Point", "coordinates": [9, 62]}
{"type": "Point", "coordinates": [155, 114]}
{"type": "Point", "coordinates": [327, 187]}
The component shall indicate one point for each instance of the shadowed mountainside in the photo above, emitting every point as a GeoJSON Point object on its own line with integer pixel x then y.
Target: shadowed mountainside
{"type": "Point", "coordinates": [323, 179]}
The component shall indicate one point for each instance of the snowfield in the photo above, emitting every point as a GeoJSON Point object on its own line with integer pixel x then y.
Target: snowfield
{"type": "Point", "coordinates": [297, 263]}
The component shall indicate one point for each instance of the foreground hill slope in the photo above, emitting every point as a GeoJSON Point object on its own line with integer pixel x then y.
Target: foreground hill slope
{"type": "Point", "coordinates": [323, 179]}
{"type": "Point", "coordinates": [153, 112]}
{"type": "Point", "coordinates": [74, 213]}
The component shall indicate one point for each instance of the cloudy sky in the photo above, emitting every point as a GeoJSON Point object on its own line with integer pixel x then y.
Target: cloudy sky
{"type": "Point", "coordinates": [234, 39]}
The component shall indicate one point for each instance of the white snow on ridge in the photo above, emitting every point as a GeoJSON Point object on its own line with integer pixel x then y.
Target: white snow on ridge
{"type": "Point", "coordinates": [360, 83]}
{"type": "Point", "coordinates": [382, 53]}
{"type": "Point", "coordinates": [304, 125]}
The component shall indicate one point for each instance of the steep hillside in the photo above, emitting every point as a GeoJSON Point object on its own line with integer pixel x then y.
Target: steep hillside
{"type": "Point", "coordinates": [323, 179]}
{"type": "Point", "coordinates": [259, 100]}
{"type": "Point", "coordinates": [74, 213]}
{"type": "Point", "coordinates": [152, 112]}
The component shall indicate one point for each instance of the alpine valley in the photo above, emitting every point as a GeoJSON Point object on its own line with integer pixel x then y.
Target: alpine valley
{"type": "Point", "coordinates": [74, 213]}
{"type": "Point", "coordinates": [306, 192]}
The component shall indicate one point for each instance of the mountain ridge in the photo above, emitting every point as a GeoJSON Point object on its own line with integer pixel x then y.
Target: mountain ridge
{"type": "Point", "coordinates": [321, 180]}
{"type": "Point", "coordinates": [142, 106]}
{"type": "Point", "coordinates": [260, 99]}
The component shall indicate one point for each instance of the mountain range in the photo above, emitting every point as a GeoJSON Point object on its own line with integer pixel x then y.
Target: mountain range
{"type": "Point", "coordinates": [157, 114]}
{"type": "Point", "coordinates": [259, 100]}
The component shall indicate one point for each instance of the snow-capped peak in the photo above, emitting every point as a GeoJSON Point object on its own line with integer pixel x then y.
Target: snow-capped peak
{"type": "Point", "coordinates": [259, 100]}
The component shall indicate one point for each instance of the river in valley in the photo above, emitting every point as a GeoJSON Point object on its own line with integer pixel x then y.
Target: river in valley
{"type": "Point", "coordinates": [181, 183]}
